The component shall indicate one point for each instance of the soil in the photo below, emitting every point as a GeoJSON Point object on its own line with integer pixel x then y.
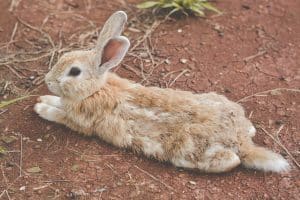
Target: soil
{"type": "Point", "coordinates": [253, 46]}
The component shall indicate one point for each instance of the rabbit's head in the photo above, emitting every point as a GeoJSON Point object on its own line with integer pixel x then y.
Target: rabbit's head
{"type": "Point", "coordinates": [78, 74]}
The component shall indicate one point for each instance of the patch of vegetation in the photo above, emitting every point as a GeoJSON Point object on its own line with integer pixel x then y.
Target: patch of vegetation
{"type": "Point", "coordinates": [2, 150]}
{"type": "Point", "coordinates": [196, 7]}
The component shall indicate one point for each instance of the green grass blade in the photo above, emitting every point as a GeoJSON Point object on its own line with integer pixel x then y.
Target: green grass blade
{"type": "Point", "coordinates": [147, 4]}
{"type": "Point", "coordinates": [167, 5]}
{"type": "Point", "coordinates": [210, 7]}
{"type": "Point", "coordinates": [2, 150]}
{"type": "Point", "coordinates": [9, 102]}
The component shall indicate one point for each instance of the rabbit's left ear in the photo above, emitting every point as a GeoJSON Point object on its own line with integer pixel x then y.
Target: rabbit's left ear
{"type": "Point", "coordinates": [113, 27]}
{"type": "Point", "coordinates": [111, 47]}
{"type": "Point", "coordinates": [113, 53]}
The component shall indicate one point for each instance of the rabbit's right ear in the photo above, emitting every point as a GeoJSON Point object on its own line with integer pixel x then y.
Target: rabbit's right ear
{"type": "Point", "coordinates": [113, 27]}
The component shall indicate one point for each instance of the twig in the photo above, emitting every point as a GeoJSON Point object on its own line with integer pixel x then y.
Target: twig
{"type": "Point", "coordinates": [56, 181]}
{"type": "Point", "coordinates": [7, 195]}
{"type": "Point", "coordinates": [24, 172]}
{"type": "Point", "coordinates": [250, 115]}
{"type": "Point", "coordinates": [51, 59]}
{"type": "Point", "coordinates": [149, 31]}
{"type": "Point", "coordinates": [278, 131]}
{"type": "Point", "coordinates": [171, 72]}
{"type": "Point", "coordinates": [177, 77]}
{"type": "Point", "coordinates": [2, 193]}
{"type": "Point", "coordinates": [13, 5]}
{"type": "Point", "coordinates": [151, 71]}
{"type": "Point", "coordinates": [146, 35]}
{"type": "Point", "coordinates": [111, 168]}
{"type": "Point", "coordinates": [7, 188]}
{"type": "Point", "coordinates": [21, 156]}
{"type": "Point", "coordinates": [153, 177]}
{"type": "Point", "coordinates": [12, 35]}
{"type": "Point", "coordinates": [128, 67]}
{"type": "Point", "coordinates": [260, 53]}
{"type": "Point", "coordinates": [34, 89]}
{"type": "Point", "coordinates": [38, 30]}
{"type": "Point", "coordinates": [267, 91]}
{"type": "Point", "coordinates": [27, 60]}
{"type": "Point", "coordinates": [3, 111]}
{"type": "Point", "coordinates": [3, 174]}
{"type": "Point", "coordinates": [41, 187]}
{"type": "Point", "coordinates": [14, 71]}
{"type": "Point", "coordinates": [5, 192]}
{"type": "Point", "coordinates": [12, 151]}
{"type": "Point", "coordinates": [281, 145]}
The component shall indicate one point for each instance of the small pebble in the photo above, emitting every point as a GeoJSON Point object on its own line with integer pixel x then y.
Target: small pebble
{"type": "Point", "coordinates": [134, 30]}
{"type": "Point", "coordinates": [246, 7]}
{"type": "Point", "coordinates": [217, 27]}
{"type": "Point", "coordinates": [143, 55]}
{"type": "Point", "coordinates": [22, 188]}
{"type": "Point", "coordinates": [192, 182]}
{"type": "Point", "coordinates": [183, 60]}
{"type": "Point", "coordinates": [167, 61]}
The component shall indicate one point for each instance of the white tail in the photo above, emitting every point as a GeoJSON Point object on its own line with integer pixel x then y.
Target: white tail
{"type": "Point", "coordinates": [263, 159]}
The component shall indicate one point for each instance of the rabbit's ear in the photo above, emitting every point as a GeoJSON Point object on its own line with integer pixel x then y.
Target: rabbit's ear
{"type": "Point", "coordinates": [113, 53]}
{"type": "Point", "coordinates": [113, 27]}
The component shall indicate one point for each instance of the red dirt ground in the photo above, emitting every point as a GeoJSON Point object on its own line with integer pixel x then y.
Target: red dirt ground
{"type": "Point", "coordinates": [75, 167]}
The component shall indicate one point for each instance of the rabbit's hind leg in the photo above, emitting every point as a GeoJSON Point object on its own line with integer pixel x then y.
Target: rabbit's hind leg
{"type": "Point", "coordinates": [218, 159]}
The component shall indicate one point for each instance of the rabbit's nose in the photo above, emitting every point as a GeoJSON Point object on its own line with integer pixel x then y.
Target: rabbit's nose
{"type": "Point", "coordinates": [49, 84]}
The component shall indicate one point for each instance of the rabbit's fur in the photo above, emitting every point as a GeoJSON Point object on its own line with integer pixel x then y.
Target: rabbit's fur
{"type": "Point", "coordinates": [204, 131]}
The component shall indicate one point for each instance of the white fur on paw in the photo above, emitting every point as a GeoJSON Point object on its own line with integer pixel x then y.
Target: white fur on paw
{"type": "Point", "coordinates": [252, 131]}
{"type": "Point", "coordinates": [47, 112]}
{"type": "Point", "coordinates": [51, 100]}
{"type": "Point", "coordinates": [38, 107]}
{"type": "Point", "coordinates": [182, 162]}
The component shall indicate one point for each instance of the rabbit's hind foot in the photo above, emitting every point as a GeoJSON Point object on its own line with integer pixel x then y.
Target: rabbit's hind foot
{"type": "Point", "coordinates": [218, 159]}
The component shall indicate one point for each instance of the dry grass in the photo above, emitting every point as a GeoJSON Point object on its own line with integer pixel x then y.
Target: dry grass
{"type": "Point", "coordinates": [268, 92]}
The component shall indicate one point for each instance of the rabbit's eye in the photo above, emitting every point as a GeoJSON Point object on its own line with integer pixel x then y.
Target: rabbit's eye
{"type": "Point", "coordinates": [75, 71]}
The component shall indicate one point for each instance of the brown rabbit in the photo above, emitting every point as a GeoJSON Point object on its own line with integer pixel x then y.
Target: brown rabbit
{"type": "Point", "coordinates": [204, 131]}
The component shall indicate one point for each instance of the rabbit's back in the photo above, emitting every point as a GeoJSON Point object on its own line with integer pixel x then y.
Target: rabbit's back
{"type": "Point", "coordinates": [126, 113]}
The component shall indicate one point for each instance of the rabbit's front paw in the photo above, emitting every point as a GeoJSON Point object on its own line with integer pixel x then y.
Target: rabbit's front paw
{"type": "Point", "coordinates": [51, 100]}
{"type": "Point", "coordinates": [49, 112]}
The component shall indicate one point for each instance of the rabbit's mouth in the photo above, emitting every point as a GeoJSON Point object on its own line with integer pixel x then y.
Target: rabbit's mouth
{"type": "Point", "coordinates": [54, 88]}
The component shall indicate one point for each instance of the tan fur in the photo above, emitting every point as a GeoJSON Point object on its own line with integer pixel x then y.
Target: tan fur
{"type": "Point", "coordinates": [204, 131]}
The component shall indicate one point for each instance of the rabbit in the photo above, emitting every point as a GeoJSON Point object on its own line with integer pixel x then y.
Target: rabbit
{"type": "Point", "coordinates": [206, 132]}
